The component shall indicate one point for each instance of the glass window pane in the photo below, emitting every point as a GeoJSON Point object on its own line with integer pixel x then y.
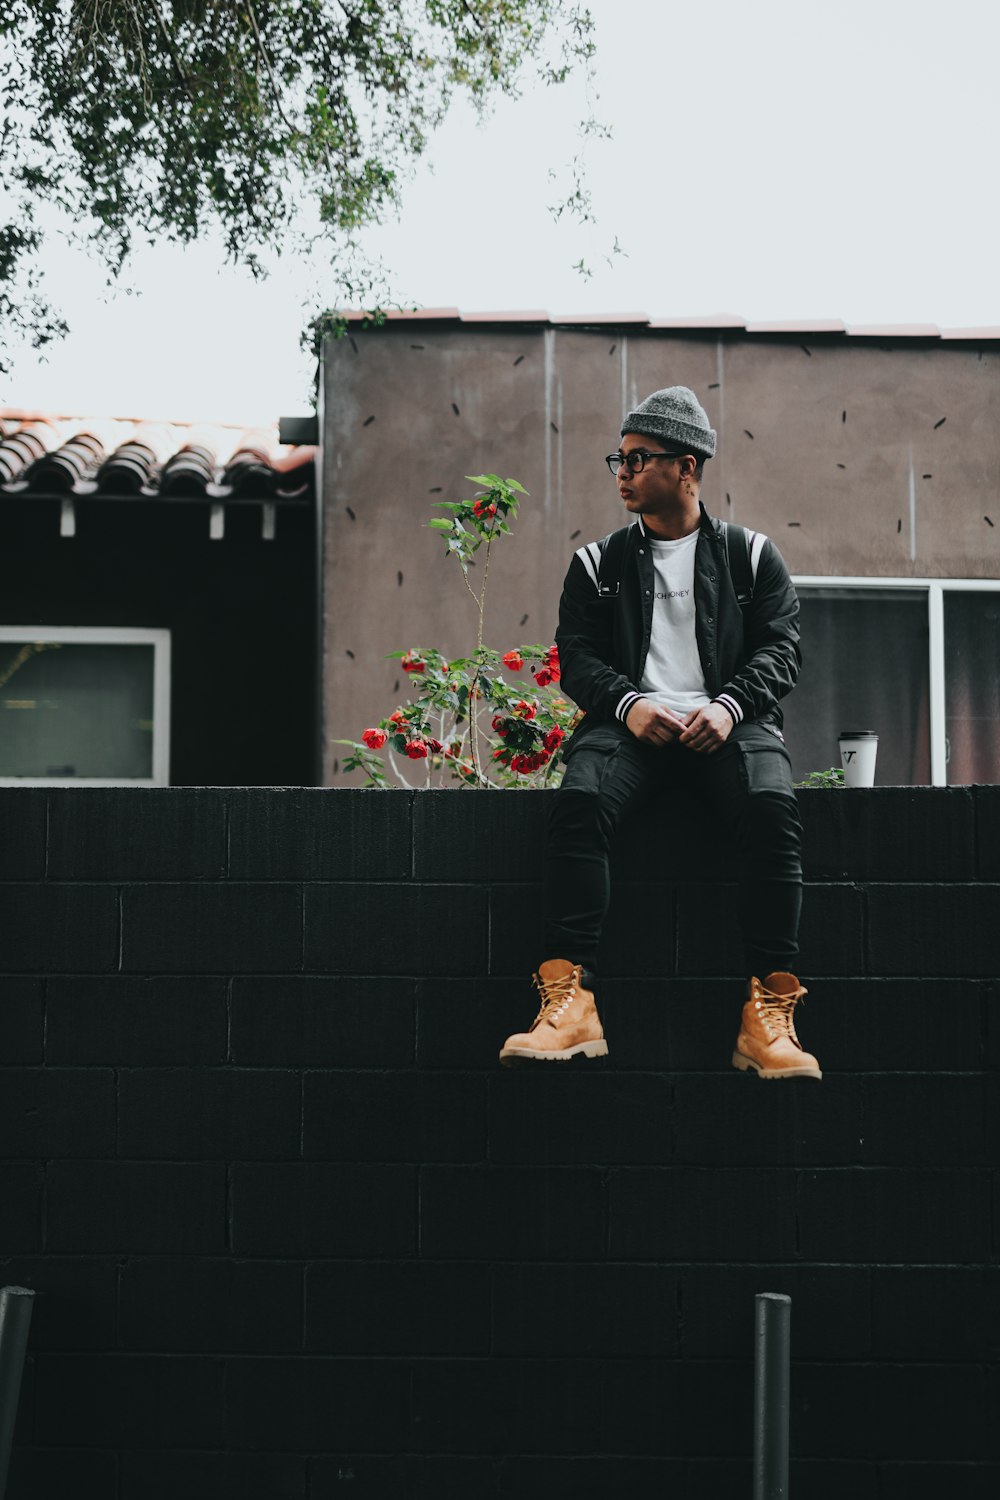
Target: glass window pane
{"type": "Point", "coordinates": [70, 710]}
{"type": "Point", "coordinates": [972, 689]}
{"type": "Point", "coordinates": [864, 666]}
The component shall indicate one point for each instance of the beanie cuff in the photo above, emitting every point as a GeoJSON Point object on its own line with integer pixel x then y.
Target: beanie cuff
{"type": "Point", "coordinates": [650, 424]}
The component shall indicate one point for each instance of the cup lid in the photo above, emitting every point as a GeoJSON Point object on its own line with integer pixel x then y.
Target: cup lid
{"type": "Point", "coordinates": [858, 734]}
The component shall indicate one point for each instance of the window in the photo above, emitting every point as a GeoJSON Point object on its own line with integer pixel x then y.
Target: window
{"type": "Point", "coordinates": [913, 659]}
{"type": "Point", "coordinates": [84, 706]}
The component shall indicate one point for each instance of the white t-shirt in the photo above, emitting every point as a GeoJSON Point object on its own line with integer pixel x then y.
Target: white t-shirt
{"type": "Point", "coordinates": [672, 674]}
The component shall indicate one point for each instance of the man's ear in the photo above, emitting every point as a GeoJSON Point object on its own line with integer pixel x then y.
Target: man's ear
{"type": "Point", "coordinates": [689, 466]}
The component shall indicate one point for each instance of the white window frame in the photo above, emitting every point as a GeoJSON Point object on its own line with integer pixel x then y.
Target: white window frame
{"type": "Point", "coordinates": [935, 590]}
{"type": "Point", "coordinates": [100, 635]}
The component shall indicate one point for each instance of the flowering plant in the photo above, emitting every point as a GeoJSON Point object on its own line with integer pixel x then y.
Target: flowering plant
{"type": "Point", "coordinates": [468, 721]}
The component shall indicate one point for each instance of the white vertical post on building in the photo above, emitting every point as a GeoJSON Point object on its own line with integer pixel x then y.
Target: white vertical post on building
{"type": "Point", "coordinates": [935, 630]}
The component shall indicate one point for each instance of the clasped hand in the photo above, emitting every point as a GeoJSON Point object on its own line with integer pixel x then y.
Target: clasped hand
{"type": "Point", "coordinates": [703, 729]}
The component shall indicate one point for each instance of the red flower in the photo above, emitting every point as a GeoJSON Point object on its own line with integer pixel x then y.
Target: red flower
{"type": "Point", "coordinates": [551, 671]}
{"type": "Point", "coordinates": [553, 739]}
{"type": "Point", "coordinates": [413, 663]}
{"type": "Point", "coordinates": [483, 507]}
{"type": "Point", "coordinates": [514, 660]}
{"type": "Point", "coordinates": [417, 750]}
{"type": "Point", "coordinates": [374, 738]}
{"type": "Point", "coordinates": [397, 718]}
{"type": "Point", "coordinates": [435, 747]}
{"type": "Point", "coordinates": [524, 709]}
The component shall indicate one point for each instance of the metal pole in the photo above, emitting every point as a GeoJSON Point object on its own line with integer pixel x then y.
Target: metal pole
{"type": "Point", "coordinates": [16, 1303]}
{"type": "Point", "coordinates": [771, 1395]}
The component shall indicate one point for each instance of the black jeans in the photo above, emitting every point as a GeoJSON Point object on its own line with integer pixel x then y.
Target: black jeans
{"type": "Point", "coordinates": [748, 782]}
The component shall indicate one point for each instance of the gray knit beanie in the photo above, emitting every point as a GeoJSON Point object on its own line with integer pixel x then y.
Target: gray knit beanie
{"type": "Point", "coordinates": [674, 415]}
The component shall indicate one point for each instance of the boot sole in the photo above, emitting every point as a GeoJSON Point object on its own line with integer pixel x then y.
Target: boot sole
{"type": "Point", "coordinates": [747, 1065]}
{"type": "Point", "coordinates": [513, 1056]}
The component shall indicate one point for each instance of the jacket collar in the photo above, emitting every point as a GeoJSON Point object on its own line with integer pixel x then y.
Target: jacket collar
{"type": "Point", "coordinates": [705, 523]}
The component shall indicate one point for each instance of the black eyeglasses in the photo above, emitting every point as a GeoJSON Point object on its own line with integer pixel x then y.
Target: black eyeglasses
{"type": "Point", "coordinates": [635, 461]}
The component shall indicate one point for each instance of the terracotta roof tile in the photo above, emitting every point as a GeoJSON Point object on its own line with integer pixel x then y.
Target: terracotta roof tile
{"type": "Point", "coordinates": [893, 331]}
{"type": "Point", "coordinates": [806, 325]}
{"type": "Point", "coordinates": [42, 454]}
{"type": "Point", "coordinates": [600, 320]}
{"type": "Point", "coordinates": [972, 335]}
{"type": "Point", "coordinates": [710, 322]}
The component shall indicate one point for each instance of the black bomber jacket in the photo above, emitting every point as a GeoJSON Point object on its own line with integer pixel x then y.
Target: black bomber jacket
{"type": "Point", "coordinates": [750, 658]}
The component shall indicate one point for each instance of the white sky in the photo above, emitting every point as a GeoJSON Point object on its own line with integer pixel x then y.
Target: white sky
{"type": "Point", "coordinates": [782, 160]}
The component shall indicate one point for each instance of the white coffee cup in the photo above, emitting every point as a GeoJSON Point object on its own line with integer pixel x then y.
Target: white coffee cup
{"type": "Point", "coordinates": [858, 748]}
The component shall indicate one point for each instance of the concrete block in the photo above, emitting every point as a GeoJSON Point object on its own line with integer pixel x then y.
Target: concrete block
{"type": "Point", "coordinates": [583, 1311]}
{"type": "Point", "coordinates": [314, 833]}
{"type": "Point", "coordinates": [133, 1022]}
{"type": "Point", "coordinates": [694, 1214]}
{"type": "Point", "coordinates": [891, 833]}
{"type": "Point", "coordinates": [87, 1473]}
{"type": "Point", "coordinates": [58, 929]}
{"type": "Point", "coordinates": [915, 1120]}
{"type": "Point", "coordinates": [474, 1406]}
{"type": "Point", "coordinates": [22, 1189]}
{"type": "Point", "coordinates": [58, 1112]}
{"type": "Point", "coordinates": [22, 818]}
{"type": "Point", "coordinates": [134, 1207]}
{"type": "Point", "coordinates": [592, 1476]}
{"type": "Point", "coordinates": [945, 930]}
{"type": "Point", "coordinates": [137, 833]}
{"type": "Point", "coordinates": [164, 1474]}
{"type": "Point", "coordinates": [202, 1304]}
{"type": "Point", "coordinates": [320, 1209]}
{"type": "Point", "coordinates": [22, 1021]}
{"type": "Point", "coordinates": [479, 837]}
{"type": "Point", "coordinates": [395, 929]}
{"type": "Point", "coordinates": [511, 1213]}
{"type": "Point", "coordinates": [960, 1480]}
{"type": "Point", "coordinates": [196, 1114]}
{"type": "Point", "coordinates": [579, 1114]}
{"type": "Point", "coordinates": [987, 814]}
{"type": "Point", "coordinates": [870, 1214]}
{"type": "Point", "coordinates": [211, 929]}
{"type": "Point", "coordinates": [346, 1021]}
{"type": "Point", "coordinates": [129, 1401]}
{"type": "Point", "coordinates": [420, 1308]}
{"type": "Point", "coordinates": [729, 1119]}
{"type": "Point", "coordinates": [317, 1405]}
{"type": "Point", "coordinates": [880, 1025]}
{"type": "Point", "coordinates": [350, 1116]}
{"type": "Point", "coordinates": [937, 1313]}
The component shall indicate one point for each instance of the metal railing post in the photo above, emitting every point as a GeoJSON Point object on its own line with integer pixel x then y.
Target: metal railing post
{"type": "Point", "coordinates": [16, 1303]}
{"type": "Point", "coordinates": [772, 1332]}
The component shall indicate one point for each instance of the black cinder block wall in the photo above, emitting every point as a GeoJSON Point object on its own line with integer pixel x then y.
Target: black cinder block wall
{"type": "Point", "coordinates": [295, 1235]}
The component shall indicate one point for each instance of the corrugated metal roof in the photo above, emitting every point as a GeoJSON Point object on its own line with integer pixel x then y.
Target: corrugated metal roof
{"type": "Point", "coordinates": [119, 458]}
{"type": "Point", "coordinates": [709, 323]}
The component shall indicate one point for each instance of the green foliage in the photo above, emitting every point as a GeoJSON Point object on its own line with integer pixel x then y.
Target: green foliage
{"type": "Point", "coordinates": [443, 726]}
{"type": "Point", "coordinates": [143, 119]}
{"type": "Point", "coordinates": [830, 779]}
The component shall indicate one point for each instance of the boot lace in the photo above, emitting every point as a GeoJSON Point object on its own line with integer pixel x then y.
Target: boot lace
{"type": "Point", "coordinates": [556, 995]}
{"type": "Point", "coordinates": [778, 1013]}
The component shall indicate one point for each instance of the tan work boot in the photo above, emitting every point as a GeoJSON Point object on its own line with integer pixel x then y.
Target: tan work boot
{"type": "Point", "coordinates": [767, 1042]}
{"type": "Point", "coordinates": [567, 1023]}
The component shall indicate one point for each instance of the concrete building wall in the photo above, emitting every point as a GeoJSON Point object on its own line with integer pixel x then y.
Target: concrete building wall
{"type": "Point", "coordinates": [857, 456]}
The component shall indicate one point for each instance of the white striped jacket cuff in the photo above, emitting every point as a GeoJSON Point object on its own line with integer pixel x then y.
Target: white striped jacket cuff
{"type": "Point", "coordinates": [625, 704]}
{"type": "Point", "coordinates": [732, 707]}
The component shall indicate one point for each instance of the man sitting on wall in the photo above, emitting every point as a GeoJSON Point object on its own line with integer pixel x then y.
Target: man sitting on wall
{"type": "Point", "coordinates": [677, 636]}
